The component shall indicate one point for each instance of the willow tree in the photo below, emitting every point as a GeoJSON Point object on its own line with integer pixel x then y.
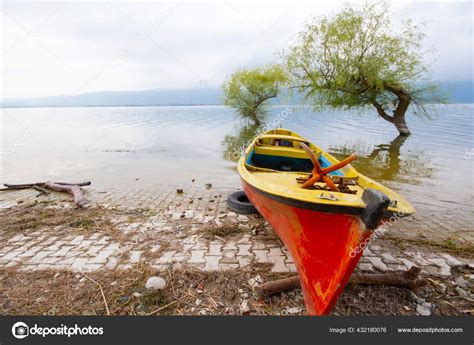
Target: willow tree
{"type": "Point", "coordinates": [249, 90]}
{"type": "Point", "coordinates": [354, 59]}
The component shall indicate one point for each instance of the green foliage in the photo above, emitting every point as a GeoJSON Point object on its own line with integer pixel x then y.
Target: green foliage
{"type": "Point", "coordinates": [354, 59]}
{"type": "Point", "coordinates": [249, 90]}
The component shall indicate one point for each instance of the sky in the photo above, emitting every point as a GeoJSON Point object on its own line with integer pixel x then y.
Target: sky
{"type": "Point", "coordinates": [72, 47]}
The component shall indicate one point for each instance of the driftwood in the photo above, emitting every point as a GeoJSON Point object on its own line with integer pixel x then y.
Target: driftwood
{"type": "Point", "coordinates": [40, 184]}
{"type": "Point", "coordinates": [72, 188]}
{"type": "Point", "coordinates": [409, 279]}
{"type": "Point", "coordinates": [75, 190]}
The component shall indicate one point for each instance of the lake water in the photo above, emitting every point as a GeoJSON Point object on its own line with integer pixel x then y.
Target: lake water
{"type": "Point", "coordinates": [134, 147]}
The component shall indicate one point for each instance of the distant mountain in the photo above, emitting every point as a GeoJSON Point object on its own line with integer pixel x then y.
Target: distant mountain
{"type": "Point", "coordinates": [458, 92]}
{"type": "Point", "coordinates": [198, 96]}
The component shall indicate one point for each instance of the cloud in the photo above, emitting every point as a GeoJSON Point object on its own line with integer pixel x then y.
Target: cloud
{"type": "Point", "coordinates": [73, 47]}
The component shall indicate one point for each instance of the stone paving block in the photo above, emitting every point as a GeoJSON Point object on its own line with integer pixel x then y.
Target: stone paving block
{"type": "Point", "coordinates": [55, 246]}
{"type": "Point", "coordinates": [103, 241]}
{"type": "Point", "coordinates": [167, 257]}
{"type": "Point", "coordinates": [212, 262]}
{"type": "Point", "coordinates": [93, 250]}
{"type": "Point", "coordinates": [215, 249]}
{"type": "Point", "coordinates": [30, 252]}
{"type": "Point", "coordinates": [17, 238]}
{"type": "Point", "coordinates": [50, 260]}
{"type": "Point", "coordinates": [365, 267]}
{"type": "Point", "coordinates": [102, 257]}
{"type": "Point", "coordinates": [451, 261]}
{"type": "Point", "coordinates": [261, 255]}
{"type": "Point", "coordinates": [197, 256]}
{"type": "Point", "coordinates": [396, 267]}
{"type": "Point", "coordinates": [112, 263]}
{"type": "Point", "coordinates": [230, 245]}
{"type": "Point", "coordinates": [244, 260]}
{"type": "Point", "coordinates": [12, 255]}
{"type": "Point", "coordinates": [62, 251]}
{"type": "Point", "coordinates": [276, 252]}
{"type": "Point", "coordinates": [228, 266]}
{"type": "Point", "coordinates": [244, 249]}
{"type": "Point", "coordinates": [40, 255]}
{"type": "Point", "coordinates": [187, 248]}
{"type": "Point", "coordinates": [389, 259]}
{"type": "Point", "coordinates": [408, 264]}
{"type": "Point", "coordinates": [66, 262]}
{"type": "Point", "coordinates": [430, 269]}
{"type": "Point", "coordinates": [71, 253]}
{"type": "Point", "coordinates": [445, 270]}
{"type": "Point", "coordinates": [375, 248]}
{"type": "Point", "coordinates": [278, 264]}
{"type": "Point", "coordinates": [79, 263]}
{"type": "Point", "coordinates": [135, 256]}
{"type": "Point", "coordinates": [77, 240]}
{"type": "Point", "coordinates": [367, 252]}
{"type": "Point", "coordinates": [364, 260]}
{"type": "Point", "coordinates": [228, 256]}
{"type": "Point", "coordinates": [245, 240]}
{"type": "Point", "coordinates": [85, 244]}
{"type": "Point", "coordinates": [258, 245]}
{"type": "Point", "coordinates": [91, 267]}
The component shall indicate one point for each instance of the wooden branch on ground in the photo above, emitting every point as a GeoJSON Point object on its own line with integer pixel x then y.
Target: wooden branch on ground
{"type": "Point", "coordinates": [75, 190]}
{"type": "Point", "coordinates": [409, 279]}
{"type": "Point", "coordinates": [72, 188]}
{"type": "Point", "coordinates": [40, 184]}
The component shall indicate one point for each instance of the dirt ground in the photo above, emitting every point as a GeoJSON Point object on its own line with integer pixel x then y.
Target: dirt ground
{"type": "Point", "coordinates": [193, 292]}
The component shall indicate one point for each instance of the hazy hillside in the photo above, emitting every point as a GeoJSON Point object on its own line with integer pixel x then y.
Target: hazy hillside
{"type": "Point", "coordinates": [458, 92]}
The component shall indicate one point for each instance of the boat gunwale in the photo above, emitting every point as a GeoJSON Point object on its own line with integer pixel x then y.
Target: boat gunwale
{"type": "Point", "coordinates": [307, 205]}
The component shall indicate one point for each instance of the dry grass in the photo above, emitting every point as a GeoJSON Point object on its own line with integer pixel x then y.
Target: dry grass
{"type": "Point", "coordinates": [450, 245]}
{"type": "Point", "coordinates": [50, 292]}
{"type": "Point", "coordinates": [122, 292]}
{"type": "Point", "coordinates": [30, 218]}
{"type": "Point", "coordinates": [221, 231]}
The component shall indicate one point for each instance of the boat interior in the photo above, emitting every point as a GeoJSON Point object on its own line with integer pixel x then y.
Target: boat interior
{"type": "Point", "coordinates": [281, 151]}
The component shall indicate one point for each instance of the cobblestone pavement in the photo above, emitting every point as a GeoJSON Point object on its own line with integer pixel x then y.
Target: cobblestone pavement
{"type": "Point", "coordinates": [176, 231]}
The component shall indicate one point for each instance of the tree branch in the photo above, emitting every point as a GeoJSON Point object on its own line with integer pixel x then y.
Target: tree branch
{"type": "Point", "coordinates": [381, 111]}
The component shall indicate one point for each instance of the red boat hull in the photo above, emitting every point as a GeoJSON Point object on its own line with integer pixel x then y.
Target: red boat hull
{"type": "Point", "coordinates": [322, 246]}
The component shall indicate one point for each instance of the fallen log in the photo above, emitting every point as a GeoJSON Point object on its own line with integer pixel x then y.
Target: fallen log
{"type": "Point", "coordinates": [40, 184]}
{"type": "Point", "coordinates": [409, 279]}
{"type": "Point", "coordinates": [72, 188]}
{"type": "Point", "coordinates": [75, 190]}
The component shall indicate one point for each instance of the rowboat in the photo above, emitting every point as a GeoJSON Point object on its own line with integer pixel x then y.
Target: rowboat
{"type": "Point", "coordinates": [323, 210]}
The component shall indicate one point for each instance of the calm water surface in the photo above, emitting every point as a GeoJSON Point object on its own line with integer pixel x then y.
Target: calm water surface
{"type": "Point", "coordinates": [135, 147]}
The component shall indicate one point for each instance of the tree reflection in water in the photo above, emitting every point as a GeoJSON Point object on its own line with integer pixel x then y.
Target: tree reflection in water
{"type": "Point", "coordinates": [232, 144]}
{"type": "Point", "coordinates": [386, 162]}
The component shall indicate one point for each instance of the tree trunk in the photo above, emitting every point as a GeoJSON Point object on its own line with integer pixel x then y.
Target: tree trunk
{"type": "Point", "coordinates": [401, 125]}
{"type": "Point", "coordinates": [404, 100]}
{"type": "Point", "coordinates": [398, 118]}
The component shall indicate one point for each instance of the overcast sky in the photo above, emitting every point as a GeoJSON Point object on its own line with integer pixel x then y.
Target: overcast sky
{"type": "Point", "coordinates": [51, 48]}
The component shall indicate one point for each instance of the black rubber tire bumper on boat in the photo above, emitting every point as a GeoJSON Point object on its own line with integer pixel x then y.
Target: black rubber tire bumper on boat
{"type": "Point", "coordinates": [240, 203]}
